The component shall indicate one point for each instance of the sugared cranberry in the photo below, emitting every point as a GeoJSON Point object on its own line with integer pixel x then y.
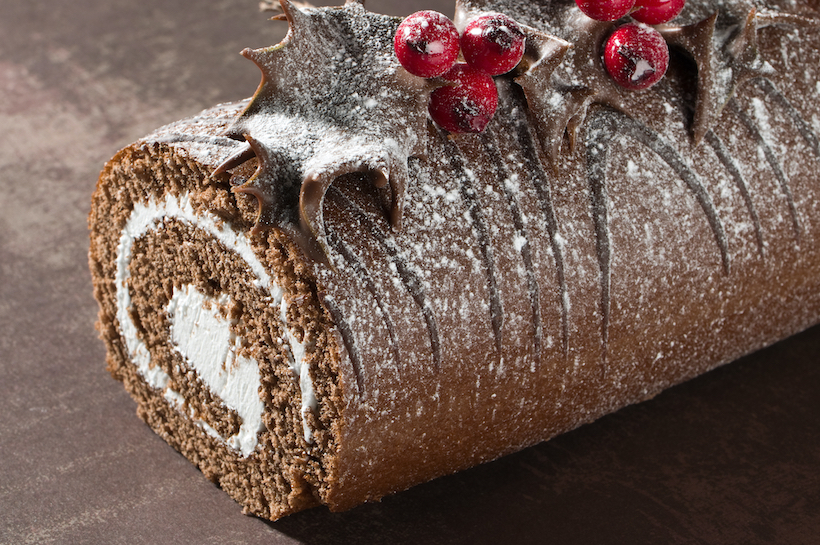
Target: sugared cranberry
{"type": "Point", "coordinates": [467, 105]}
{"type": "Point", "coordinates": [426, 43]}
{"type": "Point", "coordinates": [605, 10]}
{"type": "Point", "coordinates": [493, 42]}
{"type": "Point", "coordinates": [657, 12]}
{"type": "Point", "coordinates": [636, 56]}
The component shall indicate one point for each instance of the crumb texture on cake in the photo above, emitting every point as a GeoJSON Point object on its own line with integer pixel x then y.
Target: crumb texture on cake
{"type": "Point", "coordinates": [212, 331]}
{"type": "Point", "coordinates": [536, 281]}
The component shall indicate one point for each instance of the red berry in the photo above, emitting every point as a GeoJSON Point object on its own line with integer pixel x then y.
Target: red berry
{"type": "Point", "coordinates": [657, 12]}
{"type": "Point", "coordinates": [426, 43]}
{"type": "Point", "coordinates": [466, 106]}
{"type": "Point", "coordinates": [493, 42]}
{"type": "Point", "coordinates": [605, 10]}
{"type": "Point", "coordinates": [636, 56]}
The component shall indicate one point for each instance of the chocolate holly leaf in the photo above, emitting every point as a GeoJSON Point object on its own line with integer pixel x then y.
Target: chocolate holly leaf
{"type": "Point", "coordinates": [333, 101]}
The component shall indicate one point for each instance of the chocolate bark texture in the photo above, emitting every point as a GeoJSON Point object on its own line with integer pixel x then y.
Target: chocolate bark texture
{"type": "Point", "coordinates": [320, 297]}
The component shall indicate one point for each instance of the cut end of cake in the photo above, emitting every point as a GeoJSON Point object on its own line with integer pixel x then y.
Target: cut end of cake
{"type": "Point", "coordinates": [218, 335]}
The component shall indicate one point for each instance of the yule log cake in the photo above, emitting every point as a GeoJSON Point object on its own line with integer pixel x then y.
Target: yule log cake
{"type": "Point", "coordinates": [354, 282]}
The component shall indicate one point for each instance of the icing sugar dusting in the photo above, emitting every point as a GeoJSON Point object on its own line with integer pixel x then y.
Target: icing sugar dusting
{"type": "Point", "coordinates": [299, 125]}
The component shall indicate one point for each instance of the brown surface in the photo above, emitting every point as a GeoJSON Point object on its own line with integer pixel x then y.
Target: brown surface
{"type": "Point", "coordinates": [733, 456]}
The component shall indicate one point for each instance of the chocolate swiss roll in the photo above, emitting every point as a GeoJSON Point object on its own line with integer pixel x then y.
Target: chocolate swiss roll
{"type": "Point", "coordinates": [321, 296]}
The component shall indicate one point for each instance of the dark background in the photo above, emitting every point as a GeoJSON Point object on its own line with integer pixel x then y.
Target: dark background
{"type": "Point", "coordinates": [730, 457]}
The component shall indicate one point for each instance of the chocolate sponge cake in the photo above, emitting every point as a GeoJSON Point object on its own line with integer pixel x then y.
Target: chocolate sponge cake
{"type": "Point", "coordinates": [321, 296]}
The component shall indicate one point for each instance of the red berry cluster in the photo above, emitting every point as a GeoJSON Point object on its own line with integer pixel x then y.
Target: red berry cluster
{"type": "Point", "coordinates": [427, 44]}
{"type": "Point", "coordinates": [635, 55]}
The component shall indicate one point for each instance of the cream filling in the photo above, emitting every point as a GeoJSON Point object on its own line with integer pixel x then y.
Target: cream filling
{"type": "Point", "coordinates": [300, 372]}
{"type": "Point", "coordinates": [204, 338]}
{"type": "Point", "coordinates": [201, 335]}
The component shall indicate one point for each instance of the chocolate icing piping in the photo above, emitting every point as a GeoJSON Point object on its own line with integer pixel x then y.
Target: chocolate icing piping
{"type": "Point", "coordinates": [479, 226]}
{"type": "Point", "coordinates": [733, 169]}
{"type": "Point", "coordinates": [665, 151]}
{"type": "Point", "coordinates": [596, 155]}
{"type": "Point", "coordinates": [540, 182]}
{"type": "Point", "coordinates": [773, 162]}
{"type": "Point", "coordinates": [490, 145]}
{"type": "Point", "coordinates": [360, 269]}
{"type": "Point", "coordinates": [410, 279]}
{"type": "Point", "coordinates": [611, 122]}
{"type": "Point", "coordinates": [774, 95]}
